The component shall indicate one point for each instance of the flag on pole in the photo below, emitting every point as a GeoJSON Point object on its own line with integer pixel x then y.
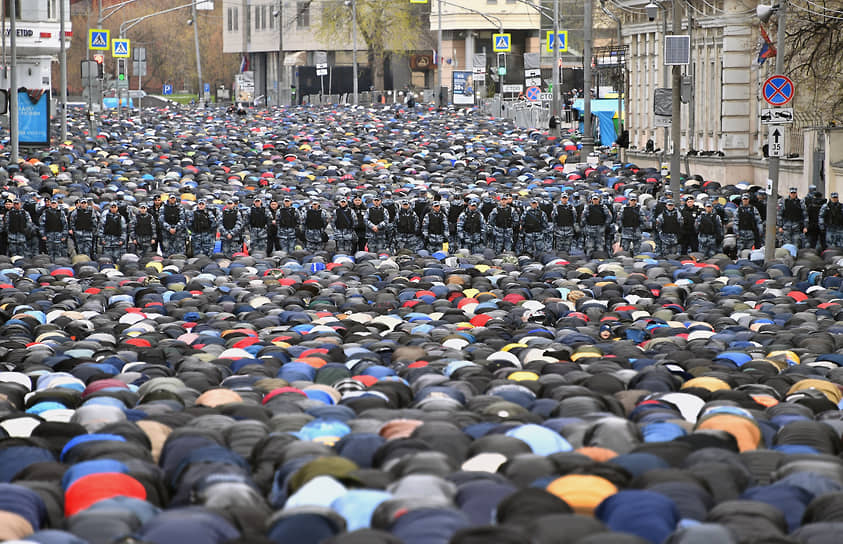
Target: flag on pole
{"type": "Point", "coordinates": [244, 62]}
{"type": "Point", "coordinates": [767, 48]}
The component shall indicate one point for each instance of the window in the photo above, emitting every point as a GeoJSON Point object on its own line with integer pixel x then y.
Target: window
{"type": "Point", "coordinates": [230, 19]}
{"type": "Point", "coordinates": [7, 8]}
{"type": "Point", "coordinates": [263, 17]}
{"type": "Point", "coordinates": [302, 14]}
{"type": "Point", "coordinates": [491, 1]}
{"type": "Point", "coordinates": [272, 19]}
{"type": "Point", "coordinates": [236, 19]}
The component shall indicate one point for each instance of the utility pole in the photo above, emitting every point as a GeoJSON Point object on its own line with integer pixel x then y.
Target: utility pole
{"type": "Point", "coordinates": [676, 111]}
{"type": "Point", "coordinates": [198, 56]}
{"type": "Point", "coordinates": [772, 199]}
{"type": "Point", "coordinates": [439, 58]}
{"type": "Point", "coordinates": [588, 133]}
{"type": "Point", "coordinates": [555, 104]}
{"type": "Point", "coordinates": [63, 70]}
{"type": "Point", "coordinates": [354, 52]}
{"type": "Point", "coordinates": [13, 84]}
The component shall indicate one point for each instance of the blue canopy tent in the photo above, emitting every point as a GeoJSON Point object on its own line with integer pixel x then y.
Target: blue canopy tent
{"type": "Point", "coordinates": [604, 110]}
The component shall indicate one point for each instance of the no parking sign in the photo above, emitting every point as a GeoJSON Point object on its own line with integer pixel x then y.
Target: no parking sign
{"type": "Point", "coordinates": [532, 93]}
{"type": "Point", "coordinates": [778, 90]}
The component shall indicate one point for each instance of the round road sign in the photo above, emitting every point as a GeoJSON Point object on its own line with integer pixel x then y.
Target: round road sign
{"type": "Point", "coordinates": [778, 90]}
{"type": "Point", "coordinates": [532, 93]}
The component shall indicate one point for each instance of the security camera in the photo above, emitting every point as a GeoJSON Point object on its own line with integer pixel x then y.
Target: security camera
{"type": "Point", "coordinates": [189, 22]}
{"type": "Point", "coordinates": [652, 10]}
{"type": "Point", "coordinates": [276, 13]}
{"type": "Point", "coordinates": [765, 12]}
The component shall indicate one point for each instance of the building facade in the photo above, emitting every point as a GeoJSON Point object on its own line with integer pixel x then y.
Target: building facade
{"type": "Point", "coordinates": [37, 41]}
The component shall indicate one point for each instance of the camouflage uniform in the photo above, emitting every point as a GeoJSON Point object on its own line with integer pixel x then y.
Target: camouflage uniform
{"type": "Point", "coordinates": [406, 226]}
{"type": "Point", "coordinates": [435, 229]}
{"type": "Point", "coordinates": [258, 219]}
{"type": "Point", "coordinates": [631, 221]}
{"type": "Point", "coordinates": [315, 220]}
{"type": "Point", "coordinates": [831, 220]}
{"type": "Point", "coordinates": [82, 225]}
{"type": "Point", "coordinates": [470, 229]}
{"type": "Point", "coordinates": [657, 211]}
{"type": "Point", "coordinates": [669, 226]}
{"type": "Point", "coordinates": [455, 209]}
{"type": "Point", "coordinates": [565, 227]}
{"type": "Point", "coordinates": [533, 230]}
{"type": "Point", "coordinates": [54, 231]}
{"type": "Point", "coordinates": [143, 232]}
{"type": "Point", "coordinates": [231, 230]}
{"type": "Point", "coordinates": [503, 224]}
{"type": "Point", "coordinates": [709, 229]}
{"type": "Point", "coordinates": [359, 210]}
{"type": "Point", "coordinates": [33, 235]}
{"type": "Point", "coordinates": [748, 223]}
{"type": "Point", "coordinates": [173, 219]}
{"type": "Point", "coordinates": [112, 233]}
{"type": "Point", "coordinates": [203, 228]}
{"type": "Point", "coordinates": [792, 218]}
{"type": "Point", "coordinates": [288, 221]}
{"type": "Point", "coordinates": [345, 222]}
{"type": "Point", "coordinates": [18, 224]}
{"type": "Point", "coordinates": [595, 217]}
{"type": "Point", "coordinates": [377, 217]}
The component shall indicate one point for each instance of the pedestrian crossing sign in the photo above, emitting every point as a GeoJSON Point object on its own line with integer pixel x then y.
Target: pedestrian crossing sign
{"type": "Point", "coordinates": [98, 39]}
{"type": "Point", "coordinates": [120, 49]}
{"type": "Point", "coordinates": [563, 41]}
{"type": "Point", "coordinates": [501, 43]}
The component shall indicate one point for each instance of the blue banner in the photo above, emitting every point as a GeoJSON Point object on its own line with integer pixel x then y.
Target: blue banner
{"type": "Point", "coordinates": [34, 117]}
{"type": "Point", "coordinates": [463, 90]}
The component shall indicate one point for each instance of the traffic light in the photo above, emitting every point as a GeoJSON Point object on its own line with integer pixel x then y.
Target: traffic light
{"type": "Point", "coordinates": [121, 70]}
{"type": "Point", "coordinates": [99, 58]}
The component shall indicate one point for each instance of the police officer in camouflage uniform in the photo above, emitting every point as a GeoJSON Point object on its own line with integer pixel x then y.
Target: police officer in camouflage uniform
{"type": "Point", "coordinates": [82, 226]}
{"type": "Point", "coordinates": [231, 229]}
{"type": "Point", "coordinates": [669, 226]}
{"type": "Point", "coordinates": [173, 227]}
{"type": "Point", "coordinates": [563, 219]}
{"type": "Point", "coordinates": [143, 231]}
{"type": "Point", "coordinates": [406, 227]}
{"type": "Point", "coordinates": [54, 230]}
{"type": "Point", "coordinates": [315, 220]}
{"type": "Point", "coordinates": [595, 217]}
{"type": "Point", "coordinates": [288, 221]}
{"type": "Point", "coordinates": [202, 223]}
{"type": "Point", "coordinates": [631, 221]}
{"type": "Point", "coordinates": [33, 235]}
{"type": "Point", "coordinates": [435, 228]}
{"type": "Point", "coordinates": [688, 240]}
{"type": "Point", "coordinates": [502, 225]}
{"type": "Point", "coordinates": [657, 211]}
{"type": "Point", "coordinates": [457, 205]}
{"type": "Point", "coordinates": [359, 209]}
{"type": "Point", "coordinates": [709, 229]}
{"type": "Point", "coordinates": [345, 222]}
{"type": "Point", "coordinates": [831, 220]}
{"type": "Point", "coordinates": [377, 221]}
{"type": "Point", "coordinates": [18, 225]}
{"type": "Point", "coordinates": [112, 233]}
{"type": "Point", "coordinates": [792, 218]}
{"type": "Point", "coordinates": [258, 219]}
{"type": "Point", "coordinates": [748, 223]}
{"type": "Point", "coordinates": [533, 230]}
{"type": "Point", "coordinates": [814, 202]}
{"type": "Point", "coordinates": [471, 227]}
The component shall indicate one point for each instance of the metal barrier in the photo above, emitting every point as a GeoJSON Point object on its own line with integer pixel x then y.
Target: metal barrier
{"type": "Point", "coordinates": [523, 113]}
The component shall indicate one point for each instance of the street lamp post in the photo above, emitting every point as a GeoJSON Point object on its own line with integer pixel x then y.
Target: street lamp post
{"type": "Point", "coordinates": [13, 83]}
{"type": "Point", "coordinates": [354, 52]}
{"type": "Point", "coordinates": [772, 199]}
{"type": "Point", "coordinates": [588, 134]}
{"type": "Point", "coordinates": [676, 108]}
{"type": "Point", "coordinates": [439, 57]}
{"type": "Point", "coordinates": [198, 56]}
{"type": "Point", "coordinates": [63, 72]}
{"type": "Point", "coordinates": [556, 68]}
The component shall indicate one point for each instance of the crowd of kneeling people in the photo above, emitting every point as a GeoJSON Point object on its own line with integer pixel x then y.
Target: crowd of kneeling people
{"type": "Point", "coordinates": [598, 225]}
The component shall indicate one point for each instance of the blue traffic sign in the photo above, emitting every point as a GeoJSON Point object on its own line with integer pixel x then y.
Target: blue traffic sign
{"type": "Point", "coordinates": [207, 88]}
{"type": "Point", "coordinates": [778, 90]}
{"type": "Point", "coordinates": [563, 41]}
{"type": "Point", "coordinates": [168, 89]}
{"type": "Point", "coordinates": [532, 93]}
{"type": "Point", "coordinates": [501, 43]}
{"type": "Point", "coordinates": [98, 39]}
